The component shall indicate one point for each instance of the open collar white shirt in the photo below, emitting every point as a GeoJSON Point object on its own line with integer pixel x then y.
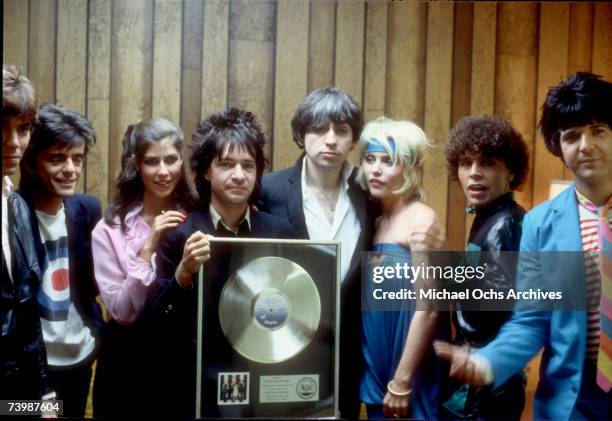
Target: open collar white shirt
{"type": "Point", "coordinates": [345, 227]}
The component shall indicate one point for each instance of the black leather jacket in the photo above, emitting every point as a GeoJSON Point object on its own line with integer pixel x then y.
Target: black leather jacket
{"type": "Point", "coordinates": [497, 227]}
{"type": "Point", "coordinates": [23, 359]}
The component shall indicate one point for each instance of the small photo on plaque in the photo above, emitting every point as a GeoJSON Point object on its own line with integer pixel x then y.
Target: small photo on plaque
{"type": "Point", "coordinates": [233, 389]}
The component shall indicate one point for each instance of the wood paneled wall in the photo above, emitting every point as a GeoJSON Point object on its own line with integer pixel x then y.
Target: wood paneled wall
{"type": "Point", "coordinates": [120, 61]}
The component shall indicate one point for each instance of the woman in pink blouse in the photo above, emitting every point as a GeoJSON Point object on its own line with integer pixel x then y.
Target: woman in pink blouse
{"type": "Point", "coordinates": [151, 197]}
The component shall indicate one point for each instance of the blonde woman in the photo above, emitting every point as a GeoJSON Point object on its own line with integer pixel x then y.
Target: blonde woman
{"type": "Point", "coordinates": [402, 375]}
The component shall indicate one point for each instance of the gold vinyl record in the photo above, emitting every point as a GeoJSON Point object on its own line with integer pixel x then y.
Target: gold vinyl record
{"type": "Point", "coordinates": [269, 309]}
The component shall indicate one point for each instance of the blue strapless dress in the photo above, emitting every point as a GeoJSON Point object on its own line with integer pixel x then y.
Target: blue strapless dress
{"type": "Point", "coordinates": [383, 340]}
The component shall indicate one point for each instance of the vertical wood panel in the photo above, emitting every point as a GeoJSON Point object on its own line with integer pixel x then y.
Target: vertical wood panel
{"type": "Point", "coordinates": [215, 56]}
{"type": "Point", "coordinates": [406, 61]}
{"type": "Point", "coordinates": [462, 71]}
{"type": "Point", "coordinates": [350, 22]}
{"type": "Point", "coordinates": [580, 46]}
{"type": "Point", "coordinates": [482, 96]}
{"type": "Point", "coordinates": [438, 103]}
{"type": "Point", "coordinates": [251, 61]}
{"type": "Point", "coordinates": [167, 59]}
{"type": "Point", "coordinates": [581, 37]}
{"type": "Point", "coordinates": [554, 36]}
{"type": "Point", "coordinates": [602, 40]}
{"type": "Point", "coordinates": [41, 57]}
{"type": "Point", "coordinates": [516, 69]}
{"type": "Point", "coordinates": [131, 63]}
{"type": "Point", "coordinates": [71, 61]}
{"type": "Point", "coordinates": [291, 80]}
{"type": "Point", "coordinates": [375, 73]}
{"type": "Point", "coordinates": [15, 34]}
{"type": "Point", "coordinates": [191, 71]}
{"type": "Point", "coordinates": [321, 45]}
{"type": "Point", "coordinates": [98, 98]}
{"type": "Point", "coordinates": [348, 69]}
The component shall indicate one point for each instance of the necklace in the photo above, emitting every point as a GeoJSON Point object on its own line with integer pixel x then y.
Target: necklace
{"type": "Point", "coordinates": [327, 200]}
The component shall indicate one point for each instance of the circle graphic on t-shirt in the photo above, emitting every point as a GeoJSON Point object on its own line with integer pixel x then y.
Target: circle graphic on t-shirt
{"type": "Point", "coordinates": [54, 296]}
{"type": "Point", "coordinates": [56, 280]}
{"type": "Point", "coordinates": [59, 279]}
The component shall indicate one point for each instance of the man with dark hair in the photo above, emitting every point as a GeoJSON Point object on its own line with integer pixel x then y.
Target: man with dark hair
{"type": "Point", "coordinates": [62, 222]}
{"type": "Point", "coordinates": [227, 161]}
{"type": "Point", "coordinates": [322, 200]}
{"type": "Point", "coordinates": [23, 360]}
{"type": "Point", "coordinates": [576, 372]}
{"type": "Point", "coordinates": [489, 158]}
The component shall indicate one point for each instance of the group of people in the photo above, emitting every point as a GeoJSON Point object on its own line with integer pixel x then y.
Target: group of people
{"type": "Point", "coordinates": [233, 390]}
{"type": "Point", "coordinates": [142, 255]}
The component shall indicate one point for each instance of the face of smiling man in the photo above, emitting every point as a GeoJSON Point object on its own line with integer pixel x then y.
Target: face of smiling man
{"type": "Point", "coordinates": [58, 170]}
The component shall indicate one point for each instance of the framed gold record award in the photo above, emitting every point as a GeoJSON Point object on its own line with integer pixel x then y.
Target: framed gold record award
{"type": "Point", "coordinates": [267, 340]}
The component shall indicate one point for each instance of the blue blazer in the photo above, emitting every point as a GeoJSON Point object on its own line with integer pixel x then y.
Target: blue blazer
{"type": "Point", "coordinates": [550, 227]}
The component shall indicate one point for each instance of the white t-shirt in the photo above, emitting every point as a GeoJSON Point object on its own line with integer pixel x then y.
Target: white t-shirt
{"type": "Point", "coordinates": [67, 339]}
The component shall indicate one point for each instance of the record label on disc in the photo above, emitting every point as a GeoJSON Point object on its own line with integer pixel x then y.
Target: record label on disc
{"type": "Point", "coordinates": [271, 309]}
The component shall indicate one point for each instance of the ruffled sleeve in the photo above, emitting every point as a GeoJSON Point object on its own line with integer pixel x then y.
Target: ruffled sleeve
{"type": "Point", "coordinates": [122, 276]}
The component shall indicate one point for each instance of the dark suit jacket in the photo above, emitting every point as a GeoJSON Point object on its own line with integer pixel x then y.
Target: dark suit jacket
{"type": "Point", "coordinates": [82, 214]}
{"type": "Point", "coordinates": [282, 196]}
{"type": "Point", "coordinates": [170, 313]}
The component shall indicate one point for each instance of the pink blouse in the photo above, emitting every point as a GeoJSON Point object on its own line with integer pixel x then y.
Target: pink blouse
{"type": "Point", "coordinates": [122, 276]}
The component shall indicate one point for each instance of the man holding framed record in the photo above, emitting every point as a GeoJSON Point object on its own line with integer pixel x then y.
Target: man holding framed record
{"type": "Point", "coordinates": [228, 162]}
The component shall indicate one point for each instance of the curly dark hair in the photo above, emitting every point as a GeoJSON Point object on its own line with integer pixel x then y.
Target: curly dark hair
{"type": "Point", "coordinates": [582, 99]}
{"type": "Point", "coordinates": [490, 136]}
{"type": "Point", "coordinates": [130, 188]}
{"type": "Point", "coordinates": [233, 127]}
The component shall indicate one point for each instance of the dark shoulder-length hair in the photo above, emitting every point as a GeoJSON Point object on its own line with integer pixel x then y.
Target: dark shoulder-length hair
{"type": "Point", "coordinates": [130, 188]}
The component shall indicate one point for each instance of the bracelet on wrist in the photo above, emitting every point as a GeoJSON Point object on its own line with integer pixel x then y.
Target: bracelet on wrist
{"type": "Point", "coordinates": [395, 393]}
